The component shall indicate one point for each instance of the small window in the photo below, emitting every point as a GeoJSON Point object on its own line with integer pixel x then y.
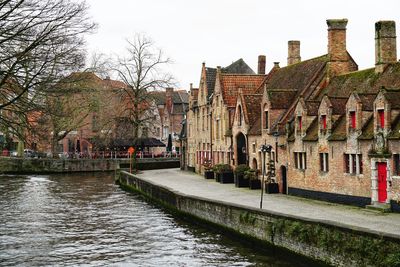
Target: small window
{"type": "Point", "coordinates": [323, 162]}
{"type": "Point", "coordinates": [266, 120]}
{"type": "Point", "coordinates": [381, 118]}
{"type": "Point", "coordinates": [240, 116]}
{"type": "Point", "coordinates": [396, 164]}
{"type": "Point", "coordinates": [353, 163]}
{"type": "Point", "coordinates": [299, 122]}
{"type": "Point", "coordinates": [352, 119]}
{"type": "Point", "coordinates": [300, 160]}
{"type": "Point", "coordinates": [254, 148]}
{"type": "Point", "coordinates": [323, 122]}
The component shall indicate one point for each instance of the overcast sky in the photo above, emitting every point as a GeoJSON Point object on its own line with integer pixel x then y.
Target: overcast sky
{"type": "Point", "coordinates": [219, 32]}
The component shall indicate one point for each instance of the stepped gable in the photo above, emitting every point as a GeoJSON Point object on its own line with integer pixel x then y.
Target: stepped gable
{"type": "Point", "coordinates": [363, 82]}
{"type": "Point", "coordinates": [251, 107]}
{"type": "Point", "coordinates": [230, 84]}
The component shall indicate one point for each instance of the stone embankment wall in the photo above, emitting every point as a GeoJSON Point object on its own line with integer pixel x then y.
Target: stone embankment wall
{"type": "Point", "coordinates": [332, 244]}
{"type": "Point", "coordinates": [28, 165]}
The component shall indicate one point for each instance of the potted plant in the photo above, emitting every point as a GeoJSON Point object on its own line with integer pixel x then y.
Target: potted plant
{"type": "Point", "coordinates": [254, 182]}
{"type": "Point", "coordinates": [271, 187]}
{"type": "Point", "coordinates": [226, 174]}
{"type": "Point", "coordinates": [240, 180]}
{"type": "Point", "coordinates": [217, 171]}
{"type": "Point", "coordinates": [208, 170]}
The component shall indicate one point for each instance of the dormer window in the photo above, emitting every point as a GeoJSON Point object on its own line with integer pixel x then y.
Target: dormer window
{"type": "Point", "coordinates": [266, 122]}
{"type": "Point", "coordinates": [381, 119]}
{"type": "Point", "coordinates": [323, 122]}
{"type": "Point", "coordinates": [352, 118]}
{"type": "Point", "coordinates": [299, 122]}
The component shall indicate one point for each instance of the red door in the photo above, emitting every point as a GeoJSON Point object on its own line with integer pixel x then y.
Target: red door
{"type": "Point", "coordinates": [382, 183]}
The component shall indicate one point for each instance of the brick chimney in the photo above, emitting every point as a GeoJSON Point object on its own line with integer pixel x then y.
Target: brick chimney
{"type": "Point", "coordinates": [168, 98]}
{"type": "Point", "coordinates": [261, 64]}
{"type": "Point", "coordinates": [293, 52]}
{"type": "Point", "coordinates": [339, 61]}
{"type": "Point", "coordinates": [385, 44]}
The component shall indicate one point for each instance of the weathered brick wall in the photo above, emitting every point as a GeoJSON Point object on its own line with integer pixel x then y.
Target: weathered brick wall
{"type": "Point", "coordinates": [336, 180]}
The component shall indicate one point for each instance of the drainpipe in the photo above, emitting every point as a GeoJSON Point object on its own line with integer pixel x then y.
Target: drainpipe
{"type": "Point", "coordinates": [247, 150]}
{"type": "Point", "coordinates": [211, 139]}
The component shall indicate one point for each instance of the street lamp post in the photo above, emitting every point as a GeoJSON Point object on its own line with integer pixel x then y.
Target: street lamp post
{"type": "Point", "coordinates": [264, 150]}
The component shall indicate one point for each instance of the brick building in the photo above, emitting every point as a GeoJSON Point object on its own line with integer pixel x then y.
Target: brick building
{"type": "Point", "coordinates": [172, 105]}
{"type": "Point", "coordinates": [334, 130]}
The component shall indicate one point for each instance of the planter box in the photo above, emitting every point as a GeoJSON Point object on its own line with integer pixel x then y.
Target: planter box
{"type": "Point", "coordinates": [217, 176]}
{"type": "Point", "coordinates": [255, 184]}
{"type": "Point", "coordinates": [272, 188]}
{"type": "Point", "coordinates": [226, 178]}
{"type": "Point", "coordinates": [209, 174]}
{"type": "Point", "coordinates": [240, 181]}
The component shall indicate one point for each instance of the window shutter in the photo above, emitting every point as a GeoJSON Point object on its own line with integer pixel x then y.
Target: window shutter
{"type": "Point", "coordinates": [381, 115]}
{"type": "Point", "coordinates": [353, 119]}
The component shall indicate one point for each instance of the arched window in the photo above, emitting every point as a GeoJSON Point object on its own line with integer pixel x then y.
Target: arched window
{"type": "Point", "coordinates": [240, 115]}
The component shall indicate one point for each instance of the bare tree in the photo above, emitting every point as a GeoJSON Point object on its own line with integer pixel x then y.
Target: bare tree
{"type": "Point", "coordinates": [40, 41]}
{"type": "Point", "coordinates": [141, 70]}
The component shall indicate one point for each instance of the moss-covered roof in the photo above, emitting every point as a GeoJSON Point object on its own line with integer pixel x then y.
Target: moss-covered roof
{"type": "Point", "coordinates": [312, 131]}
{"type": "Point", "coordinates": [393, 97]}
{"type": "Point", "coordinates": [338, 105]}
{"type": "Point", "coordinates": [312, 107]}
{"type": "Point", "coordinates": [395, 133]}
{"type": "Point", "coordinates": [256, 127]}
{"type": "Point", "coordinates": [363, 82]}
{"type": "Point", "coordinates": [297, 76]}
{"type": "Point", "coordinates": [367, 131]}
{"type": "Point", "coordinates": [367, 101]}
{"type": "Point", "coordinates": [339, 130]}
{"type": "Point", "coordinates": [281, 98]}
{"type": "Point", "coordinates": [252, 108]}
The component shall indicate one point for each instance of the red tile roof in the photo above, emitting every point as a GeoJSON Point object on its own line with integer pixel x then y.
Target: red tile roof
{"type": "Point", "coordinates": [230, 84]}
{"type": "Point", "coordinates": [252, 107]}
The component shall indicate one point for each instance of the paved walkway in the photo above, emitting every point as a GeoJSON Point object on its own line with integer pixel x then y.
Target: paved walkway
{"type": "Point", "coordinates": [342, 215]}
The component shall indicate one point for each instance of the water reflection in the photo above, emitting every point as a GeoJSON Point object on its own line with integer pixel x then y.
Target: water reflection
{"type": "Point", "coordinates": [84, 220]}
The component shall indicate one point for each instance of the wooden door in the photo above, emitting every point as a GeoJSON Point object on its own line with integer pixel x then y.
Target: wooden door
{"type": "Point", "coordinates": [382, 182]}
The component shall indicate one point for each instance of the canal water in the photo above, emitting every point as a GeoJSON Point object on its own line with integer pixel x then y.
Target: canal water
{"type": "Point", "coordinates": [86, 220]}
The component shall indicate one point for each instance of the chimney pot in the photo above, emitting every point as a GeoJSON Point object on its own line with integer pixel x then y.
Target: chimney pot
{"type": "Point", "coordinates": [276, 65]}
{"type": "Point", "coordinates": [385, 44]}
{"type": "Point", "coordinates": [293, 52]}
{"type": "Point", "coordinates": [261, 64]}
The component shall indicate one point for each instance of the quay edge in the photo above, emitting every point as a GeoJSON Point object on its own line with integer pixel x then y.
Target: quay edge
{"type": "Point", "coordinates": [320, 241]}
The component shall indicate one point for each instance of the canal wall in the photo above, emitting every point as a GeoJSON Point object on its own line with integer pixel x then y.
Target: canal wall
{"type": "Point", "coordinates": [10, 165]}
{"type": "Point", "coordinates": [324, 241]}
